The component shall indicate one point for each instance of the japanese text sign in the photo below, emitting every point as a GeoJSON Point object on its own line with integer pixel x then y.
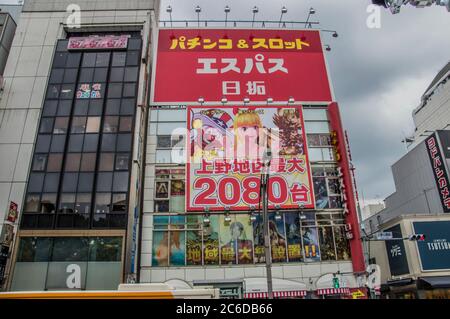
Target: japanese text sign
{"type": "Point", "coordinates": [226, 158]}
{"type": "Point", "coordinates": [95, 43]}
{"type": "Point", "coordinates": [238, 64]}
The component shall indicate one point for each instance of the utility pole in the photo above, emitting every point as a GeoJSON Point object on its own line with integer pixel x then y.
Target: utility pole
{"type": "Point", "coordinates": [268, 257]}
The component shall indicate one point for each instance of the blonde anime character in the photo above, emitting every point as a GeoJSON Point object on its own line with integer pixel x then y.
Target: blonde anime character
{"type": "Point", "coordinates": [249, 137]}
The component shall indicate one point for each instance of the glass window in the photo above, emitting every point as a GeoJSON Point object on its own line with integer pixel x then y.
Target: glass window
{"type": "Point", "coordinates": [161, 206]}
{"type": "Point", "coordinates": [54, 162]}
{"type": "Point", "coordinates": [310, 114]}
{"type": "Point", "coordinates": [62, 45]}
{"type": "Point", "coordinates": [78, 124]}
{"type": "Point", "coordinates": [50, 108]}
{"type": "Point", "coordinates": [85, 182]}
{"type": "Point", "coordinates": [112, 106]}
{"type": "Point", "coordinates": [104, 182]}
{"type": "Point", "coordinates": [58, 143]}
{"type": "Point", "coordinates": [111, 124]}
{"type": "Point", "coordinates": [134, 44]}
{"type": "Point", "coordinates": [86, 75]}
{"type": "Point", "coordinates": [39, 162]}
{"type": "Point", "coordinates": [164, 156]}
{"type": "Point", "coordinates": [53, 91]}
{"type": "Point", "coordinates": [124, 143]}
{"type": "Point", "coordinates": [51, 182]}
{"type": "Point", "coordinates": [35, 182]}
{"type": "Point", "coordinates": [70, 75]}
{"type": "Point", "coordinates": [56, 76]}
{"type": "Point", "coordinates": [70, 182]}
{"type": "Point", "coordinates": [114, 90]}
{"type": "Point", "coordinates": [46, 125]}
{"type": "Point", "coordinates": [171, 115]}
{"type": "Point", "coordinates": [102, 203]}
{"type": "Point", "coordinates": [109, 142]}
{"type": "Point", "coordinates": [122, 161]}
{"type": "Point", "coordinates": [83, 203]}
{"type": "Point", "coordinates": [81, 107]}
{"type": "Point", "coordinates": [119, 58]}
{"type": "Point", "coordinates": [317, 127]}
{"type": "Point", "coordinates": [93, 124]}
{"type": "Point", "coordinates": [168, 128]}
{"type": "Point", "coordinates": [95, 107]}
{"type": "Point", "coordinates": [70, 249]}
{"type": "Point", "coordinates": [106, 249]}
{"type": "Point", "coordinates": [88, 162]}
{"type": "Point", "coordinates": [100, 74]}
{"type": "Point", "coordinates": [315, 154]}
{"type": "Point", "coordinates": [48, 203]}
{"type": "Point", "coordinates": [89, 59]}
{"type": "Point", "coordinates": [126, 123]}
{"type": "Point", "coordinates": [64, 107]}
{"type": "Point", "coordinates": [61, 124]}
{"type": "Point", "coordinates": [133, 58]}
{"type": "Point", "coordinates": [76, 142]}
{"type": "Point", "coordinates": [66, 203]}
{"type": "Point", "coordinates": [102, 59]}
{"type": "Point", "coordinates": [127, 107]}
{"type": "Point", "coordinates": [106, 162]}
{"type": "Point", "coordinates": [119, 202]}
{"type": "Point", "coordinates": [90, 143]}
{"type": "Point", "coordinates": [116, 75]}
{"type": "Point", "coordinates": [326, 243]}
{"type": "Point", "coordinates": [131, 74]}
{"type": "Point", "coordinates": [59, 61]}
{"type": "Point", "coordinates": [73, 162]}
{"type": "Point", "coordinates": [34, 249]}
{"type": "Point", "coordinates": [43, 144]}
{"type": "Point", "coordinates": [67, 91]}
{"type": "Point", "coordinates": [163, 141]}
{"type": "Point", "coordinates": [73, 60]}
{"type": "Point", "coordinates": [129, 90]}
{"type": "Point", "coordinates": [32, 203]}
{"type": "Point", "coordinates": [120, 182]}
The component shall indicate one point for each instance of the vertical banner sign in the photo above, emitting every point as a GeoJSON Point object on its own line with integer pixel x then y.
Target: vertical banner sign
{"type": "Point", "coordinates": [226, 153]}
{"type": "Point", "coordinates": [12, 213]}
{"type": "Point", "coordinates": [234, 64]}
{"type": "Point", "coordinates": [398, 263]}
{"type": "Point", "coordinates": [439, 170]}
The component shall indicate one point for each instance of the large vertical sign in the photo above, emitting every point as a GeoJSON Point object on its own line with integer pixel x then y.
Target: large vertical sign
{"type": "Point", "coordinates": [235, 64]}
{"type": "Point", "coordinates": [439, 171]}
{"type": "Point", "coordinates": [398, 263]}
{"type": "Point", "coordinates": [434, 251]}
{"type": "Point", "coordinates": [226, 158]}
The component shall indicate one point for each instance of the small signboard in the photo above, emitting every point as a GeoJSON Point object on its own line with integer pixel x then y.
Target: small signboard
{"type": "Point", "coordinates": [384, 235]}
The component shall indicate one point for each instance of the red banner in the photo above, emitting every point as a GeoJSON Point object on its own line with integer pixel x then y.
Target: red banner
{"type": "Point", "coordinates": [237, 64]}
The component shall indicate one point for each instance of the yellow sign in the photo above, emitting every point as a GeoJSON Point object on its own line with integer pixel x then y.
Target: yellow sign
{"type": "Point", "coordinates": [357, 294]}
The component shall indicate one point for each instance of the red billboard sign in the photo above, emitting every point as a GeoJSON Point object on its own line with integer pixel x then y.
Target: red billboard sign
{"type": "Point", "coordinates": [237, 64]}
{"type": "Point", "coordinates": [226, 158]}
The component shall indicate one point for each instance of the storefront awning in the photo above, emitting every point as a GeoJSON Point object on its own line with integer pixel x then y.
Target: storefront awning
{"type": "Point", "coordinates": [333, 291]}
{"type": "Point", "coordinates": [434, 282]}
{"type": "Point", "coordinates": [276, 294]}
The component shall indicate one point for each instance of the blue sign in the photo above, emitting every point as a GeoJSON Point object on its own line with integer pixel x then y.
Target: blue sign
{"type": "Point", "coordinates": [398, 263]}
{"type": "Point", "coordinates": [434, 251]}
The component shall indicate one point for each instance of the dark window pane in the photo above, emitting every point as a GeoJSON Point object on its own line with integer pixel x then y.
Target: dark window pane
{"type": "Point", "coordinates": [51, 182]}
{"type": "Point", "coordinates": [70, 182]}
{"type": "Point", "coordinates": [76, 143]}
{"type": "Point", "coordinates": [59, 61]}
{"type": "Point", "coordinates": [119, 202]}
{"type": "Point", "coordinates": [127, 107]}
{"type": "Point", "coordinates": [104, 182]}
{"type": "Point", "coordinates": [100, 74]}
{"type": "Point", "coordinates": [112, 107]}
{"type": "Point", "coordinates": [32, 203]}
{"type": "Point", "coordinates": [88, 162]}
{"type": "Point", "coordinates": [61, 124]}
{"type": "Point", "coordinates": [126, 124]}
{"type": "Point", "coordinates": [34, 249]}
{"type": "Point", "coordinates": [81, 107]}
{"type": "Point", "coordinates": [62, 45]}
{"type": "Point", "coordinates": [129, 90]}
{"type": "Point", "coordinates": [66, 203]}
{"type": "Point", "coordinates": [50, 108]}
{"type": "Point", "coordinates": [48, 203]}
{"type": "Point", "coordinates": [90, 143]}
{"type": "Point", "coordinates": [117, 221]}
{"type": "Point", "coordinates": [95, 107]}
{"type": "Point", "coordinates": [164, 141]}
{"type": "Point", "coordinates": [70, 249]}
{"type": "Point", "coordinates": [122, 161]}
{"type": "Point", "coordinates": [93, 124]}
{"type": "Point", "coordinates": [73, 60]}
{"type": "Point", "coordinates": [106, 249]}
{"type": "Point", "coordinates": [124, 143]}
{"type": "Point", "coordinates": [102, 59]}
{"type": "Point", "coordinates": [54, 162]}
{"type": "Point", "coordinates": [119, 58]}
{"type": "Point", "coordinates": [89, 60]}
{"type": "Point", "coordinates": [56, 76]}
{"type": "Point", "coordinates": [111, 124]}
{"type": "Point", "coordinates": [109, 142]}
{"type": "Point", "coordinates": [39, 162]}
{"type": "Point", "coordinates": [97, 90]}
{"type": "Point", "coordinates": [78, 124]}
{"type": "Point", "coordinates": [70, 75]}
{"type": "Point", "coordinates": [67, 91]}
{"type": "Point", "coordinates": [102, 203]}
{"type": "Point", "coordinates": [106, 162]}
{"type": "Point", "coordinates": [133, 58]}
{"type": "Point", "coordinates": [35, 182]}
{"type": "Point", "coordinates": [116, 75]}
{"type": "Point", "coordinates": [73, 162]}
{"type": "Point", "coordinates": [46, 125]}
{"type": "Point", "coordinates": [120, 182]}
{"type": "Point", "coordinates": [83, 204]}
{"type": "Point", "coordinates": [58, 143]}
{"type": "Point", "coordinates": [86, 75]}
{"type": "Point", "coordinates": [131, 74]}
{"type": "Point", "coordinates": [114, 90]}
{"type": "Point", "coordinates": [43, 144]}
{"type": "Point", "coordinates": [53, 91]}
{"type": "Point", "coordinates": [134, 44]}
{"type": "Point", "coordinates": [85, 182]}
{"type": "Point", "coordinates": [64, 107]}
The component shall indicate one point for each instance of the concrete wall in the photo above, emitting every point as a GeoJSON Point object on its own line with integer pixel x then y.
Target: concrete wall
{"type": "Point", "coordinates": [89, 5]}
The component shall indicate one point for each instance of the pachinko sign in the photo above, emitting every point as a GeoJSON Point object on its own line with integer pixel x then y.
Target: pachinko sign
{"type": "Point", "coordinates": [237, 64]}
{"type": "Point", "coordinates": [226, 158]}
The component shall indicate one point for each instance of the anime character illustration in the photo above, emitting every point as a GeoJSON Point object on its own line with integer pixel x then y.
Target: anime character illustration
{"type": "Point", "coordinates": [289, 125]}
{"type": "Point", "coordinates": [172, 252]}
{"type": "Point", "coordinates": [249, 137]}
{"type": "Point", "coordinates": [238, 243]}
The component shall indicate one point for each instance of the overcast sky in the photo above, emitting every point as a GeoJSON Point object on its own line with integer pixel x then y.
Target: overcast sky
{"type": "Point", "coordinates": [378, 75]}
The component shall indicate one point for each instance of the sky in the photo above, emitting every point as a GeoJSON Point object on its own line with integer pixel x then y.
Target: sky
{"type": "Point", "coordinates": [378, 74]}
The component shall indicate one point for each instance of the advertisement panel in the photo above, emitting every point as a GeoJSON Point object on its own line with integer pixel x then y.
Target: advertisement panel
{"type": "Point", "coordinates": [434, 251]}
{"type": "Point", "coordinates": [236, 240]}
{"type": "Point", "coordinates": [396, 252]}
{"type": "Point", "coordinates": [226, 158]}
{"type": "Point", "coordinates": [234, 64]}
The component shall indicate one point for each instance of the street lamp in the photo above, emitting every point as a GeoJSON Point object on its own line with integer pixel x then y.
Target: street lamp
{"type": "Point", "coordinates": [246, 100]}
{"type": "Point", "coordinates": [267, 157]}
{"type": "Point", "coordinates": [201, 100]}
{"type": "Point", "coordinates": [169, 11]}
{"type": "Point", "coordinates": [283, 11]}
{"type": "Point", "coordinates": [311, 12]}
{"type": "Point", "coordinates": [227, 10]}
{"type": "Point", "coordinates": [198, 10]}
{"type": "Point", "coordinates": [255, 10]}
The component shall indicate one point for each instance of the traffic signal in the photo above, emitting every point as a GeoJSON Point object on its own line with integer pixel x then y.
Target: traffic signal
{"type": "Point", "coordinates": [335, 282]}
{"type": "Point", "coordinates": [417, 237]}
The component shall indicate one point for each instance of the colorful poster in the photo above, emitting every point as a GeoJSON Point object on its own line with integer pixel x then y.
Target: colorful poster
{"type": "Point", "coordinates": [169, 246]}
{"type": "Point", "coordinates": [238, 63]}
{"type": "Point", "coordinates": [12, 213]}
{"type": "Point", "coordinates": [277, 237]}
{"type": "Point", "coordinates": [194, 240]}
{"type": "Point", "coordinates": [236, 244]}
{"type": "Point", "coordinates": [258, 239]}
{"type": "Point", "coordinates": [327, 251]}
{"type": "Point", "coordinates": [342, 244]}
{"type": "Point", "coordinates": [311, 244]}
{"type": "Point", "coordinates": [211, 241]}
{"type": "Point", "coordinates": [293, 236]}
{"type": "Point", "coordinates": [225, 163]}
